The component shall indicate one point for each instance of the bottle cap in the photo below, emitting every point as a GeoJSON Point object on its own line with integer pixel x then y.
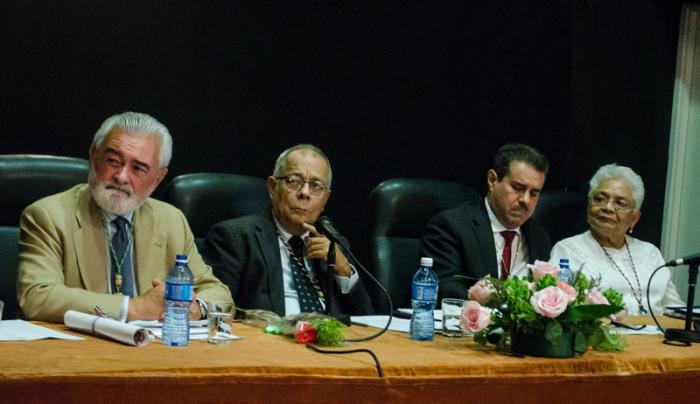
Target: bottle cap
{"type": "Point", "coordinates": [426, 262]}
{"type": "Point", "coordinates": [181, 258]}
{"type": "Point", "coordinates": [563, 260]}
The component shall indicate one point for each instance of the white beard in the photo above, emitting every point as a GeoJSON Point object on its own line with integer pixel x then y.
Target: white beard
{"type": "Point", "coordinates": [113, 198]}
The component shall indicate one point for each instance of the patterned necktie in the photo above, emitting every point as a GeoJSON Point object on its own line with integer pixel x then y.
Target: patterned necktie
{"type": "Point", "coordinates": [122, 269]}
{"type": "Point", "coordinates": [308, 289]}
{"type": "Point", "coordinates": [505, 258]}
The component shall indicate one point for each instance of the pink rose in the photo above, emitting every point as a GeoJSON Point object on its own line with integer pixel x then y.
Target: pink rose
{"type": "Point", "coordinates": [569, 290]}
{"type": "Point", "coordinates": [550, 301]}
{"type": "Point", "coordinates": [474, 317]}
{"type": "Point", "coordinates": [595, 297]}
{"type": "Point", "coordinates": [619, 316]}
{"type": "Point", "coordinates": [541, 268]}
{"type": "Point", "coordinates": [481, 291]}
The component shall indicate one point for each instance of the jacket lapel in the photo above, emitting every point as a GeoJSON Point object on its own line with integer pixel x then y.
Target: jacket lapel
{"type": "Point", "coordinates": [89, 243]}
{"type": "Point", "coordinates": [266, 236]}
{"type": "Point", "coordinates": [483, 233]}
{"type": "Point", "coordinates": [148, 245]}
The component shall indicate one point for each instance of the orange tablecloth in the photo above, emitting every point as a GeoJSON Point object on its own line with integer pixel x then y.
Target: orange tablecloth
{"type": "Point", "coordinates": [267, 368]}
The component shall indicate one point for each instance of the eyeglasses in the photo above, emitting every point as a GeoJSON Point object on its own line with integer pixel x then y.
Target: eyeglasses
{"type": "Point", "coordinates": [295, 183]}
{"type": "Point", "coordinates": [620, 204]}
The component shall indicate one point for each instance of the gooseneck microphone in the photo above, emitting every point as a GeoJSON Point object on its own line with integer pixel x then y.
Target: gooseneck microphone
{"type": "Point", "coordinates": [325, 226]}
{"type": "Point", "coordinates": [689, 260]}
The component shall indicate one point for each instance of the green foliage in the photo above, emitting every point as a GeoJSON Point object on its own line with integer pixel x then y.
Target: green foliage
{"type": "Point", "coordinates": [330, 331]}
{"type": "Point", "coordinates": [512, 310]}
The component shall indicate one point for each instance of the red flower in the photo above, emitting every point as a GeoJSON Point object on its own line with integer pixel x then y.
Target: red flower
{"type": "Point", "coordinates": [305, 333]}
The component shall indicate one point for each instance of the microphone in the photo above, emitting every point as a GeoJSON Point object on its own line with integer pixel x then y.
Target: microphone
{"type": "Point", "coordinates": [325, 227]}
{"type": "Point", "coordinates": [689, 260]}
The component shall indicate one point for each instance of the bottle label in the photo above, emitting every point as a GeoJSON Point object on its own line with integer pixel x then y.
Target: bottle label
{"type": "Point", "coordinates": [178, 291]}
{"type": "Point", "coordinates": [424, 291]}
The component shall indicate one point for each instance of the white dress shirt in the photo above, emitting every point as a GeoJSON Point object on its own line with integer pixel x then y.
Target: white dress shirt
{"type": "Point", "coordinates": [518, 250]}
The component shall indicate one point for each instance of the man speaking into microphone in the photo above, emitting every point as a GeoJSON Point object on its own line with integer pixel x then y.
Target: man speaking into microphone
{"type": "Point", "coordinates": [277, 260]}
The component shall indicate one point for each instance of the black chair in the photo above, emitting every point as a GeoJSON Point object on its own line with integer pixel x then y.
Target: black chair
{"type": "Point", "coordinates": [25, 178]}
{"type": "Point", "coordinates": [208, 198]}
{"type": "Point", "coordinates": [398, 211]}
{"type": "Point", "coordinates": [561, 213]}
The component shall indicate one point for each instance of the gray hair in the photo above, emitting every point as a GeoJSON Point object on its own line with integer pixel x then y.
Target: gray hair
{"type": "Point", "coordinates": [282, 160]}
{"type": "Point", "coordinates": [138, 122]}
{"type": "Point", "coordinates": [610, 171]}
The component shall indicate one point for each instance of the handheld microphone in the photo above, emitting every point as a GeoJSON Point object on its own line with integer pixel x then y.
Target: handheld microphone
{"type": "Point", "coordinates": [689, 260]}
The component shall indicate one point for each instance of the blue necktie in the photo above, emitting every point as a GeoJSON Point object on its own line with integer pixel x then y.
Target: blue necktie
{"type": "Point", "coordinates": [121, 258]}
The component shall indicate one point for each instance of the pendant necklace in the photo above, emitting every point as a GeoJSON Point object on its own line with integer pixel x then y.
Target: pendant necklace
{"type": "Point", "coordinates": [118, 263]}
{"type": "Point", "coordinates": [642, 310]}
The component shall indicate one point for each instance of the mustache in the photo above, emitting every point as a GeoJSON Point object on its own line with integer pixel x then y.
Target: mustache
{"type": "Point", "coordinates": [523, 206]}
{"type": "Point", "coordinates": [116, 187]}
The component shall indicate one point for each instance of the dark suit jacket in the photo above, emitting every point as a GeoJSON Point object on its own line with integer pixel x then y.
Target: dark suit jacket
{"type": "Point", "coordinates": [460, 241]}
{"type": "Point", "coordinates": [244, 254]}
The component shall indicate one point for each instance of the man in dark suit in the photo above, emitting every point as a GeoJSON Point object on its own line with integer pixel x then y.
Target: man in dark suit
{"type": "Point", "coordinates": [276, 260]}
{"type": "Point", "coordinates": [491, 237]}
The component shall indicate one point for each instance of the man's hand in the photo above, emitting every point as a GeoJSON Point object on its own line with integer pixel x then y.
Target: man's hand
{"type": "Point", "coordinates": [148, 306]}
{"type": "Point", "coordinates": [195, 310]}
{"type": "Point", "coordinates": [317, 248]}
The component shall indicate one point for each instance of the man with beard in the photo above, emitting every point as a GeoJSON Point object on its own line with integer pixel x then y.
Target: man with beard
{"type": "Point", "coordinates": [491, 237]}
{"type": "Point", "coordinates": [106, 245]}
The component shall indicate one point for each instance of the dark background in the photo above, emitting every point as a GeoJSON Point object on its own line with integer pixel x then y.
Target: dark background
{"type": "Point", "coordinates": [386, 89]}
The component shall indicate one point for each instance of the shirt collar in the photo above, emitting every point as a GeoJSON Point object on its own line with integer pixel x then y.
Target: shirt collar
{"type": "Point", "coordinates": [111, 216]}
{"type": "Point", "coordinates": [496, 225]}
{"type": "Point", "coordinates": [285, 234]}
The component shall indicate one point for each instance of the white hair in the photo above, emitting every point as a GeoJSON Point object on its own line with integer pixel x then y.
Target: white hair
{"type": "Point", "coordinates": [281, 161]}
{"type": "Point", "coordinates": [137, 122]}
{"type": "Point", "coordinates": [610, 171]}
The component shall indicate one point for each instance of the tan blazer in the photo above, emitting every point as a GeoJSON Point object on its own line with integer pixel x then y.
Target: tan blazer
{"type": "Point", "coordinates": [63, 258]}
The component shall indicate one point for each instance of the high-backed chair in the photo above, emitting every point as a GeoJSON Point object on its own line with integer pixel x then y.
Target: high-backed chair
{"type": "Point", "coordinates": [208, 198]}
{"type": "Point", "coordinates": [561, 213]}
{"type": "Point", "coordinates": [25, 178]}
{"type": "Point", "coordinates": [398, 210]}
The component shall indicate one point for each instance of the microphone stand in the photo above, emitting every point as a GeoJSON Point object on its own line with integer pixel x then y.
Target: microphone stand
{"type": "Point", "coordinates": [687, 334]}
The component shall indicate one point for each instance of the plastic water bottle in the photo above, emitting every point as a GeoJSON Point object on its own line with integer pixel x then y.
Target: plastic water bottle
{"type": "Point", "coordinates": [565, 274]}
{"type": "Point", "coordinates": [178, 297]}
{"type": "Point", "coordinates": [424, 290]}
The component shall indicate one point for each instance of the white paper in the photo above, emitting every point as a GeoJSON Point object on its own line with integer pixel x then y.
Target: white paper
{"type": "Point", "coordinates": [20, 330]}
{"type": "Point", "coordinates": [198, 329]}
{"type": "Point", "coordinates": [397, 324]}
{"type": "Point", "coordinates": [107, 327]}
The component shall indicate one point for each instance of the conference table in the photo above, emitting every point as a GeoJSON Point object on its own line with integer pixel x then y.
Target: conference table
{"type": "Point", "coordinates": [270, 368]}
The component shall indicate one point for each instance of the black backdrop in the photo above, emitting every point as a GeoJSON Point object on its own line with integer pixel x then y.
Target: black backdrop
{"type": "Point", "coordinates": [387, 89]}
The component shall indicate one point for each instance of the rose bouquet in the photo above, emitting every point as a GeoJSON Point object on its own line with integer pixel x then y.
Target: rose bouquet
{"type": "Point", "coordinates": [305, 328]}
{"type": "Point", "coordinates": [539, 305]}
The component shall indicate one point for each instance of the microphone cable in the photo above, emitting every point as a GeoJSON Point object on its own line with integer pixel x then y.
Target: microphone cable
{"type": "Point", "coordinates": [668, 340]}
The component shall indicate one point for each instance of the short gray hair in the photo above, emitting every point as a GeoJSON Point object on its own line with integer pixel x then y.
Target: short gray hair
{"type": "Point", "coordinates": [610, 171]}
{"type": "Point", "coordinates": [282, 160]}
{"type": "Point", "coordinates": [138, 122]}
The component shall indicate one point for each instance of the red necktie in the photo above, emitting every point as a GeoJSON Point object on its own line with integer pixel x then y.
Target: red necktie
{"type": "Point", "coordinates": [505, 258]}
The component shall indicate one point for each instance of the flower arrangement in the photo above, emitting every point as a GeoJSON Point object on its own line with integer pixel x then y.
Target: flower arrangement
{"type": "Point", "coordinates": [539, 305]}
{"type": "Point", "coordinates": [305, 328]}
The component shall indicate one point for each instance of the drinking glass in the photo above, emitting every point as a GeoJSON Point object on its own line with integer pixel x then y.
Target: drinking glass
{"type": "Point", "coordinates": [451, 312]}
{"type": "Point", "coordinates": [220, 322]}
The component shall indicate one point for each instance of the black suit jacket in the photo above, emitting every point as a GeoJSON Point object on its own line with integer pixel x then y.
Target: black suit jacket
{"type": "Point", "coordinates": [460, 241]}
{"type": "Point", "coordinates": [245, 255]}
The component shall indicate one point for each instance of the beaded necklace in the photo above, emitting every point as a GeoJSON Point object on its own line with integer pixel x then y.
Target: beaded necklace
{"type": "Point", "coordinates": [119, 263]}
{"type": "Point", "coordinates": [642, 310]}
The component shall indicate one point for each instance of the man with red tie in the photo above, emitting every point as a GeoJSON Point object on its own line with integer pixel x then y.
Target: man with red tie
{"type": "Point", "coordinates": [491, 237]}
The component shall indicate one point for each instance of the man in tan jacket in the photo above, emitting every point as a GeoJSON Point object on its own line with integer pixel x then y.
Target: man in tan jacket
{"type": "Point", "coordinates": [68, 258]}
